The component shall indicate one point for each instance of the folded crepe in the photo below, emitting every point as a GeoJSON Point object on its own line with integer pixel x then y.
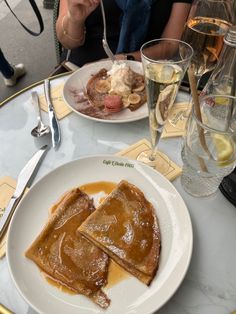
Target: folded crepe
{"type": "Point", "coordinates": [69, 258]}
{"type": "Point", "coordinates": [126, 228]}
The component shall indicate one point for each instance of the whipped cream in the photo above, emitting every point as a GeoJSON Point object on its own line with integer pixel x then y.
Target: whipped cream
{"type": "Point", "coordinates": [121, 79]}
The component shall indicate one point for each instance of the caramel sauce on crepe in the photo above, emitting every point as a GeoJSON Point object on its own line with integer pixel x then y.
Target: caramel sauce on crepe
{"type": "Point", "coordinates": [126, 228]}
{"type": "Point", "coordinates": [115, 273]}
{"type": "Point", "coordinates": [58, 285]}
{"type": "Point", "coordinates": [67, 257]}
{"type": "Point", "coordinates": [72, 250]}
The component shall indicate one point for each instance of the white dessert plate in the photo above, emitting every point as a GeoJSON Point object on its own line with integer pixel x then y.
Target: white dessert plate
{"type": "Point", "coordinates": [129, 295]}
{"type": "Point", "coordinates": [78, 81]}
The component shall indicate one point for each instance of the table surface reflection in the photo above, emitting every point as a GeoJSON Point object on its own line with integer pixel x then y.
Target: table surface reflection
{"type": "Point", "coordinates": [210, 283]}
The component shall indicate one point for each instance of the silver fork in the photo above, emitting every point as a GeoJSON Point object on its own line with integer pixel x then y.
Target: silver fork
{"type": "Point", "coordinates": [104, 40]}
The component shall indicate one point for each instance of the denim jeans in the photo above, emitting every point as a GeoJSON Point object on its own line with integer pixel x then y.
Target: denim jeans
{"type": "Point", "coordinates": [6, 69]}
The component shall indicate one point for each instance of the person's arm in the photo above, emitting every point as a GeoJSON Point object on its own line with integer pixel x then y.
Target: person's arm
{"type": "Point", "coordinates": [173, 28]}
{"type": "Point", "coordinates": [70, 25]}
{"type": "Point", "coordinates": [178, 17]}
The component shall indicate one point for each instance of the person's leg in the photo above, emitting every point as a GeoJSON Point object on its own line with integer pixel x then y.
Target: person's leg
{"type": "Point", "coordinates": [11, 73]}
{"type": "Point", "coordinates": [6, 69]}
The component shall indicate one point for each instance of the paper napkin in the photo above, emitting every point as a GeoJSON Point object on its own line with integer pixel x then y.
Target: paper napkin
{"type": "Point", "coordinates": [7, 188]}
{"type": "Point", "coordinates": [176, 123]}
{"type": "Point", "coordinates": [61, 108]}
{"type": "Point", "coordinates": [168, 168]}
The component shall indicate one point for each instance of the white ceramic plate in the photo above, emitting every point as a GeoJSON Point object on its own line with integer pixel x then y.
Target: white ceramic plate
{"type": "Point", "coordinates": [78, 81]}
{"type": "Point", "coordinates": [129, 295]}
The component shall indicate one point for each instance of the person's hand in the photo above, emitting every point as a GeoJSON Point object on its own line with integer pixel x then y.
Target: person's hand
{"type": "Point", "coordinates": [79, 10]}
{"type": "Point", "coordinates": [120, 56]}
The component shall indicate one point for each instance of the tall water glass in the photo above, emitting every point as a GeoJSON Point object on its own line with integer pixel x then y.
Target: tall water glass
{"type": "Point", "coordinates": [165, 62]}
{"type": "Point", "coordinates": [209, 150]}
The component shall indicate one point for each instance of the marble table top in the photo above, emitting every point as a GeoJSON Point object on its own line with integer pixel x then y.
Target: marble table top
{"type": "Point", "coordinates": [210, 283]}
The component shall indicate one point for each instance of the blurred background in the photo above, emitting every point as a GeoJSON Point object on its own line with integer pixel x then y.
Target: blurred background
{"type": "Point", "coordinates": [37, 53]}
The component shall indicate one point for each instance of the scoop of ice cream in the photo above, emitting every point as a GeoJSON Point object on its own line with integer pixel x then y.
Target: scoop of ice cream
{"type": "Point", "coordinates": [121, 79]}
{"type": "Point", "coordinates": [113, 103]}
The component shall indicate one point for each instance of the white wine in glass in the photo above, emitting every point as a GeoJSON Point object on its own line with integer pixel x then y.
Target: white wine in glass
{"type": "Point", "coordinates": [164, 63]}
{"type": "Point", "coordinates": [207, 24]}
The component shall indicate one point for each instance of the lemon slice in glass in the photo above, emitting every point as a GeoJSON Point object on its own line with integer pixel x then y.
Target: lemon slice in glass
{"type": "Point", "coordinates": [221, 100]}
{"type": "Point", "coordinates": [224, 149]}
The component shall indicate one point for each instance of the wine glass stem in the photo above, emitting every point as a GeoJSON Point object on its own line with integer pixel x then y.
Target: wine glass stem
{"type": "Point", "coordinates": [155, 138]}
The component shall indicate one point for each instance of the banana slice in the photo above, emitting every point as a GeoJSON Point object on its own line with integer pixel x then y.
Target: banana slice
{"type": "Point", "coordinates": [125, 102]}
{"type": "Point", "coordinates": [139, 88]}
{"type": "Point", "coordinates": [134, 99]}
{"type": "Point", "coordinates": [103, 86]}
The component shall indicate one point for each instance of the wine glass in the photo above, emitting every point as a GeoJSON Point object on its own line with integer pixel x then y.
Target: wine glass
{"type": "Point", "coordinates": [205, 28]}
{"type": "Point", "coordinates": [165, 62]}
{"type": "Point", "coordinates": [207, 24]}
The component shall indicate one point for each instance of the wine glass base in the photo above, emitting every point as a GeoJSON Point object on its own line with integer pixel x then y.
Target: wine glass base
{"type": "Point", "coordinates": [155, 161]}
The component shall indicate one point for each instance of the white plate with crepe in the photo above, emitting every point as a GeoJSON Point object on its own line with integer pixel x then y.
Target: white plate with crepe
{"type": "Point", "coordinates": [128, 295]}
{"type": "Point", "coordinates": [78, 81]}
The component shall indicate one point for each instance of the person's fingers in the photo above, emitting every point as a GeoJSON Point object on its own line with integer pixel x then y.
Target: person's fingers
{"type": "Point", "coordinates": [80, 9]}
{"type": "Point", "coordinates": [94, 2]}
{"type": "Point", "coordinates": [85, 3]}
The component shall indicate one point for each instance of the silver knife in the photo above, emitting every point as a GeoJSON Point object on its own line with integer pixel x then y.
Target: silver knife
{"type": "Point", "coordinates": [24, 178]}
{"type": "Point", "coordinates": [55, 130]}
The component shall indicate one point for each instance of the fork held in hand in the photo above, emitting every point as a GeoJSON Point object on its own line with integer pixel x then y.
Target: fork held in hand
{"type": "Point", "coordinates": [104, 41]}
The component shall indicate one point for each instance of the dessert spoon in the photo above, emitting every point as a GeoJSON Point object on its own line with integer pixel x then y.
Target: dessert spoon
{"type": "Point", "coordinates": [41, 129]}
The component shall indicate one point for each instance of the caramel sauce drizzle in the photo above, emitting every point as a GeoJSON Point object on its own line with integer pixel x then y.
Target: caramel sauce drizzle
{"type": "Point", "coordinates": [115, 273]}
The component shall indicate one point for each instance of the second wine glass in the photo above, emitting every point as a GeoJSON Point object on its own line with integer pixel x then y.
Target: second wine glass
{"type": "Point", "coordinates": [206, 26]}
{"type": "Point", "coordinates": [165, 62]}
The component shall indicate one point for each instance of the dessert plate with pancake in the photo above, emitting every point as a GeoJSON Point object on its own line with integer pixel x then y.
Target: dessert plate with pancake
{"type": "Point", "coordinates": [107, 92]}
{"type": "Point", "coordinates": [101, 234]}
